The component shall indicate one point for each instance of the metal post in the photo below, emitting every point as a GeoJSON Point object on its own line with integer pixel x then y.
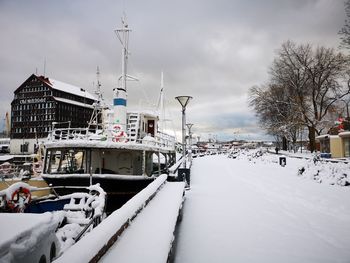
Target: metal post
{"type": "Point", "coordinates": [183, 100]}
{"type": "Point", "coordinates": [143, 162]}
{"type": "Point", "coordinates": [159, 169]}
{"type": "Point", "coordinates": [301, 140]}
{"type": "Point", "coordinates": [189, 126]}
{"type": "Point", "coordinates": [183, 137]}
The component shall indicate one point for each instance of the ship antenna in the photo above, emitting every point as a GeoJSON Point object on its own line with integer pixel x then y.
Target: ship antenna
{"type": "Point", "coordinates": [160, 107]}
{"type": "Point", "coordinates": [123, 36]}
{"type": "Point", "coordinates": [96, 117]}
{"type": "Point", "coordinates": [120, 95]}
{"type": "Point", "coordinates": [98, 85]}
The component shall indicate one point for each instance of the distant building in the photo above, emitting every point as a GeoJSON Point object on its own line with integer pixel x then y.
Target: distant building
{"type": "Point", "coordinates": [39, 102]}
{"type": "Point", "coordinates": [336, 146]}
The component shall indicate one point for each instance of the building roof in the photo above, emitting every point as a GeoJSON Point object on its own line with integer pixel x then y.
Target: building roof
{"type": "Point", "coordinates": [74, 102]}
{"type": "Point", "coordinates": [65, 87]}
{"type": "Point", "coordinates": [59, 85]}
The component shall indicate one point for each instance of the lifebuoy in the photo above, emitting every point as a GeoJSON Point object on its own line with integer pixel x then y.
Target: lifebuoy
{"type": "Point", "coordinates": [20, 198]}
{"type": "Point", "coordinates": [118, 134]}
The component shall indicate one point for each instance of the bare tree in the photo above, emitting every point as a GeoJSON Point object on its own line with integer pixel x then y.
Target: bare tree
{"type": "Point", "coordinates": [311, 82]}
{"type": "Point", "coordinates": [275, 112]}
{"type": "Point", "coordinates": [345, 30]}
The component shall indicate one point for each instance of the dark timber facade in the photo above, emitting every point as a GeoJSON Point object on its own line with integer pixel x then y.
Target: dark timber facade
{"type": "Point", "coordinates": [39, 102]}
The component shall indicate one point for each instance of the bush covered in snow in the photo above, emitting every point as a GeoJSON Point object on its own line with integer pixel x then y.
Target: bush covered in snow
{"type": "Point", "coordinates": [314, 169]}
{"type": "Point", "coordinates": [249, 154]}
{"type": "Point", "coordinates": [326, 172]}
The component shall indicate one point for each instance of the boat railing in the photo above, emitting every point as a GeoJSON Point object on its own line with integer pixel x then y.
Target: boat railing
{"type": "Point", "coordinates": [160, 140]}
{"type": "Point", "coordinates": [165, 140]}
{"type": "Point", "coordinates": [68, 134]}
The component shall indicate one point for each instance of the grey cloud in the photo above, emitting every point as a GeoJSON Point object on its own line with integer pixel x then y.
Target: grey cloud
{"type": "Point", "coordinates": [212, 50]}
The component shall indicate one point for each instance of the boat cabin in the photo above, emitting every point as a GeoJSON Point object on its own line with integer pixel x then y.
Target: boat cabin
{"type": "Point", "coordinates": [98, 161]}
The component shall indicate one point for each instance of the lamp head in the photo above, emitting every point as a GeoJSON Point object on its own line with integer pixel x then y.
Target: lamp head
{"type": "Point", "coordinates": [183, 100]}
{"type": "Point", "coordinates": [189, 125]}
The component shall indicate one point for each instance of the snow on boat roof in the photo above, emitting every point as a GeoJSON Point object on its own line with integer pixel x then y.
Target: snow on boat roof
{"type": "Point", "coordinates": [65, 87]}
{"type": "Point", "coordinates": [150, 113]}
{"type": "Point", "coordinates": [74, 102]}
{"type": "Point", "coordinates": [105, 144]}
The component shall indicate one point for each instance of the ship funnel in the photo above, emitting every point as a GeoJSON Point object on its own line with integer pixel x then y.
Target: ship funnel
{"type": "Point", "coordinates": [119, 107]}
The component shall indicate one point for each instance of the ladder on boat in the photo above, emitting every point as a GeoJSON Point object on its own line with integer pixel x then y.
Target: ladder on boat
{"type": "Point", "coordinates": [133, 126]}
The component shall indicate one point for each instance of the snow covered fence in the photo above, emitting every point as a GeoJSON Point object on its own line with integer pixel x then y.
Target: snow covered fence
{"type": "Point", "coordinates": [94, 245]}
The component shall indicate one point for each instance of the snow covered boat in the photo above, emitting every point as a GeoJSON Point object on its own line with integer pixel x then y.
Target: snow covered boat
{"type": "Point", "coordinates": [39, 230]}
{"type": "Point", "coordinates": [121, 150]}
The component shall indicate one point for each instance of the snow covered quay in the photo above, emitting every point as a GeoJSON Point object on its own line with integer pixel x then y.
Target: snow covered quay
{"type": "Point", "coordinates": [250, 209]}
{"type": "Point", "coordinates": [142, 230]}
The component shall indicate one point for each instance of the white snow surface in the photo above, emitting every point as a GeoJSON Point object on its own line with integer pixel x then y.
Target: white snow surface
{"type": "Point", "coordinates": [84, 250]}
{"type": "Point", "coordinates": [21, 232]}
{"type": "Point", "coordinates": [74, 102]}
{"type": "Point", "coordinates": [59, 85]}
{"type": "Point", "coordinates": [250, 209]}
{"type": "Point", "coordinates": [150, 235]}
{"type": "Point", "coordinates": [247, 209]}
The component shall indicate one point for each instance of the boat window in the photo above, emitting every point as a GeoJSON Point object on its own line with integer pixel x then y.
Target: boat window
{"type": "Point", "coordinates": [66, 161]}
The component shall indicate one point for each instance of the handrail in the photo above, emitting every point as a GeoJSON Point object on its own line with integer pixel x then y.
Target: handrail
{"type": "Point", "coordinates": [63, 134]}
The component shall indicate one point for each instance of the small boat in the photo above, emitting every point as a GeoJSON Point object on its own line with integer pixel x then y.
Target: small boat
{"type": "Point", "coordinates": [41, 229]}
{"type": "Point", "coordinates": [122, 150]}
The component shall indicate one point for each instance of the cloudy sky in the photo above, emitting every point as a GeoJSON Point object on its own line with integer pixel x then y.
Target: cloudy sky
{"type": "Point", "coordinates": [213, 50]}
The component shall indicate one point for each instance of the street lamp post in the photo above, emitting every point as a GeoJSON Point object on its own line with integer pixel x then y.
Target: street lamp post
{"type": "Point", "coordinates": [189, 126]}
{"type": "Point", "coordinates": [183, 100]}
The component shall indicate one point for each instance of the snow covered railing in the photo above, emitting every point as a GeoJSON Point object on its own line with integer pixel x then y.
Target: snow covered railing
{"type": "Point", "coordinates": [68, 134]}
{"type": "Point", "coordinates": [165, 140]}
{"type": "Point", "coordinates": [173, 169]}
{"type": "Point", "coordinates": [157, 141]}
{"type": "Point", "coordinates": [93, 246]}
{"type": "Point", "coordinates": [160, 140]}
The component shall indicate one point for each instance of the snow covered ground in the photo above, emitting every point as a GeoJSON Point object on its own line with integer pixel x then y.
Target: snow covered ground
{"type": "Point", "coordinates": [250, 209]}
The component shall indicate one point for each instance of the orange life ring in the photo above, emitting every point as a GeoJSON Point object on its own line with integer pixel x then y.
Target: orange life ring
{"type": "Point", "coordinates": [14, 205]}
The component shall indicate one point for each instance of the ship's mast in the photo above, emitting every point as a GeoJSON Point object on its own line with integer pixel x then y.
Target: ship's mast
{"type": "Point", "coordinates": [120, 95]}
{"type": "Point", "coordinates": [123, 36]}
{"type": "Point", "coordinates": [161, 110]}
{"type": "Point", "coordinates": [96, 121]}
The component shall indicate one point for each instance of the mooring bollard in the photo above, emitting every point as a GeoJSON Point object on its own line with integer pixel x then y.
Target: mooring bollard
{"type": "Point", "coordinates": [283, 161]}
{"type": "Point", "coordinates": [184, 174]}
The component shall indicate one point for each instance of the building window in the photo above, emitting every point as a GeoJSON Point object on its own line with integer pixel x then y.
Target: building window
{"type": "Point", "coordinates": [24, 147]}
